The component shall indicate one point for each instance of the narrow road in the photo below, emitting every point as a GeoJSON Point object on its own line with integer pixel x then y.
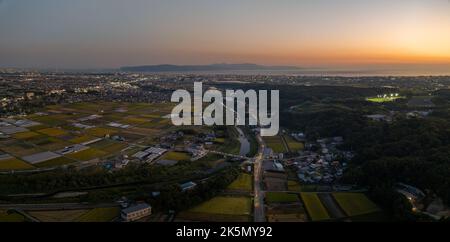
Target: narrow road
{"type": "Point", "coordinates": [258, 211]}
{"type": "Point", "coordinates": [55, 206]}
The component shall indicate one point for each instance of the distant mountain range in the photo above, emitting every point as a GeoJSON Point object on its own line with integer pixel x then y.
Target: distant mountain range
{"type": "Point", "coordinates": [212, 67]}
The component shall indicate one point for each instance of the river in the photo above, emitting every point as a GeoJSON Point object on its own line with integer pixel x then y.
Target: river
{"type": "Point", "coordinates": [245, 144]}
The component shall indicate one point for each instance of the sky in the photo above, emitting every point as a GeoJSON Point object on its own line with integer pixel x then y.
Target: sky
{"type": "Point", "coordinates": [308, 33]}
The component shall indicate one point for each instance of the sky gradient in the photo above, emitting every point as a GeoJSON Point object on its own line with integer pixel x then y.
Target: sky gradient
{"type": "Point", "coordinates": [310, 33]}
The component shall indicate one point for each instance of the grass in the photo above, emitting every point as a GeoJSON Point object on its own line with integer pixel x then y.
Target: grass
{"type": "Point", "coordinates": [308, 188]}
{"type": "Point", "coordinates": [20, 149]}
{"type": "Point", "coordinates": [219, 140]}
{"type": "Point", "coordinates": [177, 156]}
{"type": "Point", "coordinates": [53, 132]}
{"type": "Point", "coordinates": [49, 120]}
{"type": "Point", "coordinates": [281, 197]}
{"type": "Point", "coordinates": [243, 182]}
{"type": "Point", "coordinates": [294, 146]}
{"type": "Point", "coordinates": [14, 164]}
{"type": "Point", "coordinates": [134, 120]}
{"type": "Point", "coordinates": [48, 143]}
{"type": "Point", "coordinates": [25, 135]}
{"type": "Point", "coordinates": [275, 143]}
{"type": "Point", "coordinates": [294, 186]}
{"type": "Point", "coordinates": [82, 139]}
{"type": "Point", "coordinates": [57, 216]}
{"type": "Point", "coordinates": [108, 146]}
{"type": "Point", "coordinates": [314, 206]}
{"type": "Point", "coordinates": [231, 145]}
{"type": "Point", "coordinates": [100, 132]}
{"type": "Point", "coordinates": [114, 147]}
{"type": "Point", "coordinates": [14, 217]}
{"type": "Point", "coordinates": [60, 161]}
{"type": "Point", "coordinates": [355, 203]}
{"type": "Point", "coordinates": [99, 215]}
{"type": "Point", "coordinates": [88, 154]}
{"type": "Point", "coordinates": [225, 205]}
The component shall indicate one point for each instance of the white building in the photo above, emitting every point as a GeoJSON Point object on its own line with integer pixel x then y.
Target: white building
{"type": "Point", "coordinates": [136, 212]}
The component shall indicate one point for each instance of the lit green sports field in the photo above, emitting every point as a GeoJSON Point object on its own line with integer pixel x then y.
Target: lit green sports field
{"type": "Point", "coordinates": [383, 99]}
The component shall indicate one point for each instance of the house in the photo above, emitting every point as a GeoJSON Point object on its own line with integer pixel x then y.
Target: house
{"type": "Point", "coordinates": [410, 192]}
{"type": "Point", "coordinates": [188, 186]}
{"type": "Point", "coordinates": [136, 212]}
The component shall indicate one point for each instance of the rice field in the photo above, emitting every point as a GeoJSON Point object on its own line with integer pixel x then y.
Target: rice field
{"type": "Point", "coordinates": [57, 216]}
{"type": "Point", "coordinates": [294, 146]}
{"type": "Point", "coordinates": [314, 206]}
{"type": "Point", "coordinates": [25, 135]}
{"type": "Point", "coordinates": [56, 131]}
{"type": "Point", "coordinates": [177, 156]}
{"type": "Point", "coordinates": [294, 186]}
{"type": "Point", "coordinates": [88, 154]}
{"type": "Point", "coordinates": [12, 217]}
{"type": "Point", "coordinates": [225, 205]}
{"type": "Point", "coordinates": [244, 182]}
{"type": "Point", "coordinates": [100, 131]}
{"type": "Point", "coordinates": [281, 197]}
{"type": "Point", "coordinates": [275, 143]}
{"type": "Point", "coordinates": [99, 215]}
{"type": "Point", "coordinates": [14, 164]}
{"type": "Point", "coordinates": [53, 132]}
{"type": "Point", "coordinates": [60, 161]}
{"type": "Point", "coordinates": [81, 139]}
{"type": "Point", "coordinates": [355, 203]}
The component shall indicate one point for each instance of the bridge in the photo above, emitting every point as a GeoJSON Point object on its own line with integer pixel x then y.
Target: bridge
{"type": "Point", "coordinates": [229, 155]}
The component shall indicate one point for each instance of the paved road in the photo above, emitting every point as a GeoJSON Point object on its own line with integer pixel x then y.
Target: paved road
{"type": "Point", "coordinates": [259, 213]}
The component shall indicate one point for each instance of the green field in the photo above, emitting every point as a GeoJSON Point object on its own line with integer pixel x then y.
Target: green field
{"type": "Point", "coordinates": [57, 216]}
{"type": "Point", "coordinates": [53, 132]}
{"type": "Point", "coordinates": [225, 205]}
{"type": "Point", "coordinates": [19, 149]}
{"type": "Point", "coordinates": [294, 146]}
{"type": "Point", "coordinates": [134, 120]}
{"type": "Point", "coordinates": [49, 120]}
{"type": "Point", "coordinates": [108, 146]}
{"type": "Point", "coordinates": [294, 186]}
{"type": "Point", "coordinates": [56, 131]}
{"type": "Point", "coordinates": [100, 132]}
{"type": "Point", "coordinates": [355, 203]}
{"type": "Point", "coordinates": [13, 217]}
{"type": "Point", "coordinates": [382, 99]}
{"type": "Point", "coordinates": [219, 140]}
{"type": "Point", "coordinates": [275, 143]}
{"type": "Point", "coordinates": [243, 182]}
{"type": "Point", "coordinates": [25, 135]}
{"type": "Point", "coordinates": [281, 197]}
{"type": "Point", "coordinates": [177, 156]}
{"type": "Point", "coordinates": [82, 139]}
{"type": "Point", "coordinates": [60, 161]}
{"type": "Point", "coordinates": [314, 206]}
{"type": "Point", "coordinates": [99, 215]}
{"type": "Point", "coordinates": [88, 154]}
{"type": "Point", "coordinates": [14, 164]}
